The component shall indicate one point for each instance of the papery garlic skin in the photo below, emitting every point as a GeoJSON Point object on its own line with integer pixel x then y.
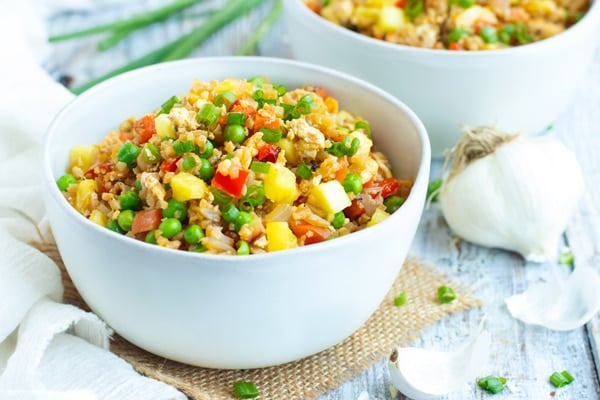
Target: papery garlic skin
{"type": "Point", "coordinates": [519, 198]}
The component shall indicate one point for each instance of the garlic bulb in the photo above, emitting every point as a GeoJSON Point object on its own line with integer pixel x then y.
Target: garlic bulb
{"type": "Point", "coordinates": [511, 191]}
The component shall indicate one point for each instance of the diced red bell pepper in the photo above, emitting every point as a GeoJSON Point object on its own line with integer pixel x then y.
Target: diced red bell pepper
{"type": "Point", "coordinates": [169, 165]}
{"type": "Point", "coordinates": [268, 152]}
{"type": "Point", "coordinates": [99, 169]}
{"type": "Point", "coordinates": [229, 185]}
{"type": "Point", "coordinates": [146, 220]}
{"type": "Point", "coordinates": [354, 210]}
{"type": "Point", "coordinates": [145, 128]}
{"type": "Point", "coordinates": [312, 234]}
{"type": "Point", "coordinates": [389, 186]}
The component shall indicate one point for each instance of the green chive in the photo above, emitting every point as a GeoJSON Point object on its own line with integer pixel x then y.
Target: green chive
{"type": "Point", "coordinates": [446, 294]}
{"type": "Point", "coordinates": [236, 118]}
{"type": "Point", "coordinates": [400, 300]}
{"type": "Point", "coordinates": [260, 167]}
{"type": "Point", "coordinates": [365, 126]}
{"type": "Point", "coordinates": [245, 390]}
{"type": "Point", "coordinates": [492, 384]}
{"type": "Point", "coordinates": [208, 114]}
{"type": "Point", "coordinates": [254, 197]}
{"type": "Point", "coordinates": [560, 379]}
{"type": "Point", "coordinates": [413, 9]}
{"type": "Point", "coordinates": [456, 34]}
{"type": "Point", "coordinates": [180, 148]}
{"type": "Point", "coordinates": [166, 107]}
{"type": "Point", "coordinates": [251, 43]}
{"type": "Point", "coordinates": [243, 248]}
{"type": "Point", "coordinates": [433, 190]}
{"type": "Point", "coordinates": [220, 198]}
{"type": "Point", "coordinates": [271, 135]}
{"type": "Point", "coordinates": [226, 98]}
{"type": "Point", "coordinates": [304, 171]}
{"type": "Point", "coordinates": [566, 257]}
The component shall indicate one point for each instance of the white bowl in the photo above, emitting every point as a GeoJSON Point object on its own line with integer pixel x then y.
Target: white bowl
{"type": "Point", "coordinates": [227, 311]}
{"type": "Point", "coordinates": [517, 89]}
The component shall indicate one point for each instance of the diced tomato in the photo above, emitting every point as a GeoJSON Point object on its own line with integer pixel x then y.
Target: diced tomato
{"type": "Point", "coordinates": [145, 128]}
{"type": "Point", "coordinates": [146, 220]}
{"type": "Point", "coordinates": [231, 186]}
{"type": "Point", "coordinates": [268, 152]}
{"type": "Point", "coordinates": [169, 165]}
{"type": "Point", "coordinates": [455, 46]}
{"type": "Point", "coordinates": [312, 234]}
{"type": "Point", "coordinates": [355, 209]}
{"type": "Point", "coordinates": [264, 120]}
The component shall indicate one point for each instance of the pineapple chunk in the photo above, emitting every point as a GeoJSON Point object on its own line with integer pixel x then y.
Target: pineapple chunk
{"type": "Point", "coordinates": [280, 236]}
{"type": "Point", "coordinates": [98, 218]}
{"type": "Point", "coordinates": [329, 197]}
{"type": "Point", "coordinates": [280, 185]}
{"type": "Point", "coordinates": [186, 186]}
{"type": "Point", "coordinates": [164, 126]}
{"type": "Point", "coordinates": [83, 195]}
{"type": "Point", "coordinates": [365, 16]}
{"type": "Point", "coordinates": [83, 156]}
{"type": "Point", "coordinates": [390, 19]}
{"type": "Point", "coordinates": [289, 151]}
{"type": "Point", "coordinates": [378, 216]}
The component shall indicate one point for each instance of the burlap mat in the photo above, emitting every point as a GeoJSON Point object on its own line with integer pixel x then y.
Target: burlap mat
{"type": "Point", "coordinates": [390, 326]}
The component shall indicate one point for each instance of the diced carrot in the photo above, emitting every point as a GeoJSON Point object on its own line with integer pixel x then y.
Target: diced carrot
{"type": "Point", "coordinates": [238, 106]}
{"type": "Point", "coordinates": [146, 220]}
{"type": "Point", "coordinates": [455, 46]}
{"type": "Point", "coordinates": [401, 3]}
{"type": "Point", "coordinates": [145, 128]}
{"type": "Point", "coordinates": [312, 234]}
{"type": "Point", "coordinates": [321, 92]}
{"type": "Point", "coordinates": [313, 6]}
{"type": "Point", "coordinates": [340, 174]}
{"type": "Point", "coordinates": [332, 104]}
{"type": "Point", "coordinates": [125, 136]}
{"type": "Point", "coordinates": [518, 14]}
{"type": "Point", "coordinates": [265, 120]}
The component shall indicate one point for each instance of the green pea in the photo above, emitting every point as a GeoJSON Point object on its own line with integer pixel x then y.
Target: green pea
{"type": "Point", "coordinates": [230, 213]}
{"type": "Point", "coordinates": [175, 209]}
{"type": "Point", "coordinates": [243, 248]}
{"type": "Point", "coordinates": [128, 153]}
{"type": "Point", "coordinates": [170, 227]}
{"type": "Point", "coordinates": [338, 220]}
{"type": "Point", "coordinates": [488, 34]}
{"type": "Point", "coordinates": [235, 133]}
{"type": "Point", "coordinates": [188, 163]}
{"type": "Point", "coordinates": [65, 181]}
{"type": "Point", "coordinates": [457, 33]}
{"type": "Point", "coordinates": [393, 203]}
{"type": "Point", "coordinates": [193, 234]}
{"type": "Point", "coordinates": [114, 226]}
{"type": "Point", "coordinates": [125, 219]}
{"type": "Point", "coordinates": [242, 219]}
{"type": "Point", "coordinates": [199, 248]}
{"type": "Point", "coordinates": [352, 183]}
{"type": "Point", "coordinates": [151, 153]}
{"type": "Point", "coordinates": [205, 170]}
{"type": "Point", "coordinates": [130, 201]}
{"type": "Point", "coordinates": [151, 237]}
{"type": "Point", "coordinates": [209, 147]}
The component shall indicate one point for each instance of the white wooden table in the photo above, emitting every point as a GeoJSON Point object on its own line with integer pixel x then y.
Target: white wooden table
{"type": "Point", "coordinates": [526, 355]}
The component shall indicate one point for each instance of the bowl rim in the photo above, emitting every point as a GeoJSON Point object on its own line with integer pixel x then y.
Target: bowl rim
{"type": "Point", "coordinates": [421, 178]}
{"type": "Point", "coordinates": [591, 16]}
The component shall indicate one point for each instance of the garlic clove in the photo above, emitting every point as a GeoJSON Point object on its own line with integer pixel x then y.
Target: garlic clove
{"type": "Point", "coordinates": [557, 305]}
{"type": "Point", "coordinates": [423, 374]}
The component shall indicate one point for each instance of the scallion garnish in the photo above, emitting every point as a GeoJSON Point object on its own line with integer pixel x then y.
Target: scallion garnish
{"type": "Point", "coordinates": [304, 171]}
{"type": "Point", "coordinates": [220, 197]}
{"type": "Point", "coordinates": [446, 294]}
{"type": "Point", "coordinates": [365, 126]}
{"type": "Point", "coordinates": [346, 147]}
{"type": "Point", "coordinates": [260, 167]}
{"type": "Point", "coordinates": [492, 384]}
{"type": "Point", "coordinates": [245, 390]}
{"type": "Point", "coordinates": [271, 135]}
{"type": "Point", "coordinates": [208, 114]}
{"type": "Point", "coordinates": [254, 197]}
{"type": "Point", "coordinates": [400, 300]}
{"type": "Point", "coordinates": [180, 148]}
{"type": "Point", "coordinates": [249, 47]}
{"type": "Point", "coordinates": [566, 257]}
{"type": "Point", "coordinates": [224, 98]}
{"type": "Point", "coordinates": [413, 9]}
{"type": "Point", "coordinates": [166, 107]}
{"type": "Point", "coordinates": [560, 379]}
{"type": "Point", "coordinates": [433, 190]}
{"type": "Point", "coordinates": [236, 118]}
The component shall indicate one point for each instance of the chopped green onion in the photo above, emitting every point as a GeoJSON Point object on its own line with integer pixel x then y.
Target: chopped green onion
{"type": "Point", "coordinates": [492, 384]}
{"type": "Point", "coordinates": [151, 153]}
{"type": "Point", "coordinates": [281, 89]}
{"type": "Point", "coordinates": [271, 135]}
{"type": "Point", "coordinates": [304, 171]}
{"type": "Point", "coordinates": [560, 379]}
{"type": "Point", "coordinates": [488, 34]}
{"type": "Point", "coordinates": [260, 167]}
{"type": "Point", "coordinates": [168, 105]}
{"type": "Point", "coordinates": [566, 257]}
{"type": "Point", "coordinates": [433, 190]}
{"type": "Point", "coordinates": [365, 126]}
{"type": "Point", "coordinates": [254, 197]}
{"type": "Point", "coordinates": [400, 300]}
{"type": "Point", "coordinates": [344, 148]}
{"type": "Point", "coordinates": [306, 104]}
{"type": "Point", "coordinates": [522, 34]}
{"type": "Point", "coordinates": [208, 114]}
{"type": "Point", "coordinates": [236, 118]}
{"type": "Point", "coordinates": [413, 9]}
{"type": "Point", "coordinates": [257, 80]}
{"type": "Point", "coordinates": [243, 248]}
{"type": "Point", "coordinates": [464, 3]}
{"type": "Point", "coordinates": [138, 185]}
{"type": "Point", "coordinates": [446, 294]}
{"type": "Point", "coordinates": [326, 3]}
{"type": "Point", "coordinates": [245, 390]}
{"type": "Point", "coordinates": [339, 218]}
{"type": "Point", "coordinates": [180, 148]}
{"type": "Point", "coordinates": [65, 181]}
{"type": "Point", "coordinates": [251, 43]}
{"type": "Point", "coordinates": [220, 198]}
{"type": "Point", "coordinates": [456, 34]}
{"type": "Point", "coordinates": [226, 98]}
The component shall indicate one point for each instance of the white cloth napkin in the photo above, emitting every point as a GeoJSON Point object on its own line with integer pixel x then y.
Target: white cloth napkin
{"type": "Point", "coordinates": [48, 350]}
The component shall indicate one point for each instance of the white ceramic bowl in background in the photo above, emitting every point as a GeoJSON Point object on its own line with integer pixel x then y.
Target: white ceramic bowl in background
{"type": "Point", "coordinates": [518, 89]}
{"type": "Point", "coordinates": [231, 311]}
